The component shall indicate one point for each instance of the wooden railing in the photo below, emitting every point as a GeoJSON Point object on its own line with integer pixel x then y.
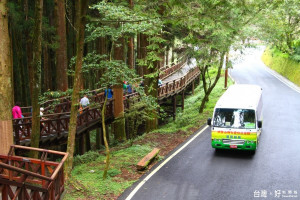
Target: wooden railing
{"type": "Point", "coordinates": [169, 71]}
{"type": "Point", "coordinates": [29, 178]}
{"type": "Point", "coordinates": [175, 86]}
{"type": "Point", "coordinates": [56, 125]}
{"type": "Point", "coordinates": [65, 103]}
{"type": "Point", "coordinates": [65, 106]}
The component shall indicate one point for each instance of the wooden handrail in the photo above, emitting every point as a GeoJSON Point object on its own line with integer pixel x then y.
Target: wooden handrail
{"type": "Point", "coordinates": [9, 167]}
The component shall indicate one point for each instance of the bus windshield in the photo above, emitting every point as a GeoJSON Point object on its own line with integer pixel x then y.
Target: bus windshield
{"type": "Point", "coordinates": [234, 118]}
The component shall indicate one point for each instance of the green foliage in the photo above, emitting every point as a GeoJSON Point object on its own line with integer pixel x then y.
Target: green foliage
{"type": "Point", "coordinates": [116, 20]}
{"type": "Point", "coordinates": [279, 26]}
{"type": "Point", "coordinates": [296, 47]}
{"type": "Point", "coordinates": [210, 36]}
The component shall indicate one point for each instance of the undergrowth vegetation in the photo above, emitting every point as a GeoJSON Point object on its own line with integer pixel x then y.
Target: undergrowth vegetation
{"type": "Point", "coordinates": [281, 63]}
{"type": "Point", "coordinates": [87, 182]}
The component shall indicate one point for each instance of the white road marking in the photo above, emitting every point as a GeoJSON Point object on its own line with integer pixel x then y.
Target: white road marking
{"type": "Point", "coordinates": [163, 163]}
{"type": "Point", "coordinates": [229, 74]}
{"type": "Point", "coordinates": [283, 79]}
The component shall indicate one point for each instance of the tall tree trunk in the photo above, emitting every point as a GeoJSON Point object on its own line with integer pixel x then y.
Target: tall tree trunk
{"type": "Point", "coordinates": [36, 75]}
{"type": "Point", "coordinates": [172, 55]}
{"type": "Point", "coordinates": [150, 83]}
{"type": "Point", "coordinates": [28, 49]}
{"type": "Point", "coordinates": [81, 9]}
{"type": "Point", "coordinates": [167, 55]}
{"type": "Point", "coordinates": [6, 129]}
{"type": "Point", "coordinates": [47, 69]}
{"type": "Point", "coordinates": [71, 35]}
{"type": "Point", "coordinates": [101, 50]}
{"type": "Point", "coordinates": [208, 90]}
{"type": "Point", "coordinates": [61, 52]}
{"type": "Point", "coordinates": [119, 123]}
{"type": "Point", "coordinates": [130, 52]}
{"type": "Point", "coordinates": [139, 56]}
{"type": "Point", "coordinates": [226, 69]}
{"type": "Point", "coordinates": [163, 59]}
{"type": "Point", "coordinates": [143, 43]}
{"type": "Point", "coordinates": [18, 69]}
{"type": "Point", "coordinates": [107, 160]}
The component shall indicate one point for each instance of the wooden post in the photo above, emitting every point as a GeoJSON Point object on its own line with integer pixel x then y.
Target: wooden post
{"type": "Point", "coordinates": [21, 194]}
{"type": "Point", "coordinates": [193, 87]}
{"type": "Point", "coordinates": [174, 85]}
{"type": "Point", "coordinates": [4, 191]}
{"type": "Point", "coordinates": [77, 146]}
{"type": "Point", "coordinates": [174, 107]}
{"type": "Point", "coordinates": [81, 144]}
{"type": "Point", "coordinates": [182, 99]}
{"type": "Point", "coordinates": [99, 137]}
{"type": "Point", "coordinates": [87, 141]}
{"type": "Point", "coordinates": [167, 87]}
{"type": "Point", "coordinates": [226, 70]}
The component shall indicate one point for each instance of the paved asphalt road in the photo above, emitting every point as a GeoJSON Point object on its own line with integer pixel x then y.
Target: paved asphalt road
{"type": "Point", "coordinates": [198, 172]}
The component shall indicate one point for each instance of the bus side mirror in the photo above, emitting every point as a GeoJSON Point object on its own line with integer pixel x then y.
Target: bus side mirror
{"type": "Point", "coordinates": [259, 124]}
{"type": "Point", "coordinates": [209, 121]}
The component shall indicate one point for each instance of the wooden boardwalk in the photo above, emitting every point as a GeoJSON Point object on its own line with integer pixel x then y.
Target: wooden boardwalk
{"type": "Point", "coordinates": [54, 128]}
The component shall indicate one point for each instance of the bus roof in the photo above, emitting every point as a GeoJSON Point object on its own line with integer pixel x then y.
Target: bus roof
{"type": "Point", "coordinates": [242, 96]}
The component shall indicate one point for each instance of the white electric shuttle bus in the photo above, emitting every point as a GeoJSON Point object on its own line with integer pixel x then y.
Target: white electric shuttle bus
{"type": "Point", "coordinates": [237, 118]}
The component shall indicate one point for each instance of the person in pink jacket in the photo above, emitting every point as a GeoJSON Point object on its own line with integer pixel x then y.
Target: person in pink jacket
{"type": "Point", "coordinates": [16, 111]}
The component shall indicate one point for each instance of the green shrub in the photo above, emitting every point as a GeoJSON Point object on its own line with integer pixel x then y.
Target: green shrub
{"type": "Point", "coordinates": [85, 158]}
{"type": "Point", "coordinates": [113, 172]}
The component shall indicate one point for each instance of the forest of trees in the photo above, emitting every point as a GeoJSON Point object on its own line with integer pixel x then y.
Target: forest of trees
{"type": "Point", "coordinates": [54, 48]}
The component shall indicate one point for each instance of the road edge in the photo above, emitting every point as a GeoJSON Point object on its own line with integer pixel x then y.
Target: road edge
{"type": "Point", "coordinates": [282, 79]}
{"type": "Point", "coordinates": [163, 162]}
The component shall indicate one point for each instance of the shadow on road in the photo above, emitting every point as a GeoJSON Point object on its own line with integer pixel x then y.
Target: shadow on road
{"type": "Point", "coordinates": [228, 153]}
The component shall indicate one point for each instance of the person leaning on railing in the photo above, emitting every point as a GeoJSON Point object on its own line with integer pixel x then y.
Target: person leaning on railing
{"type": "Point", "coordinates": [84, 102]}
{"type": "Point", "coordinates": [16, 111]}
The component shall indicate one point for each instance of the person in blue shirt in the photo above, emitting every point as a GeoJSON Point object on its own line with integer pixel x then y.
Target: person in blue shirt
{"type": "Point", "coordinates": [129, 88]}
{"type": "Point", "coordinates": [109, 93]}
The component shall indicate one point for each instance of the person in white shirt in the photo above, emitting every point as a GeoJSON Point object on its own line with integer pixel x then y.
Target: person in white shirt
{"type": "Point", "coordinates": [84, 102]}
